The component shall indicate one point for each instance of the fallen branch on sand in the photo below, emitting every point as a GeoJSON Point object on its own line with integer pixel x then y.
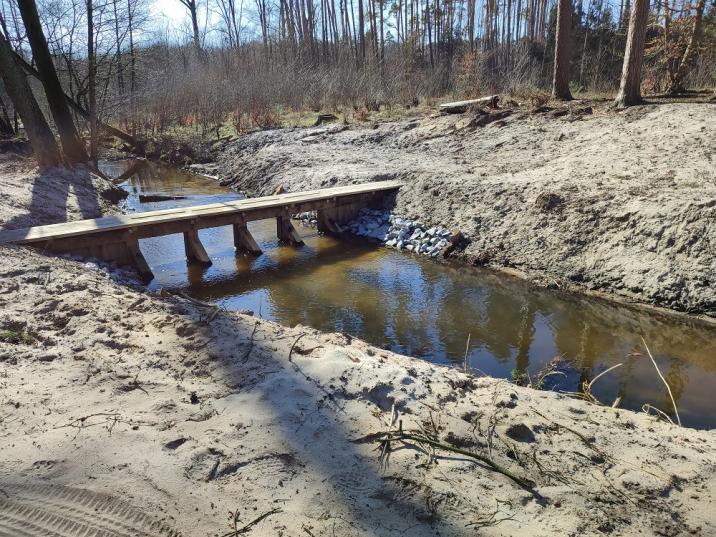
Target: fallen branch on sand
{"type": "Point", "coordinates": [110, 419]}
{"type": "Point", "coordinates": [586, 441]}
{"type": "Point", "coordinates": [290, 352]}
{"type": "Point", "coordinates": [404, 437]}
{"type": "Point", "coordinates": [234, 517]}
{"type": "Point", "coordinates": [213, 307]}
{"type": "Point", "coordinates": [458, 107]}
{"type": "Point", "coordinates": [167, 292]}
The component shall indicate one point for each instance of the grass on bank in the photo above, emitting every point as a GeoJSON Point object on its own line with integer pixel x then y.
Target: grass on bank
{"type": "Point", "coordinates": [16, 336]}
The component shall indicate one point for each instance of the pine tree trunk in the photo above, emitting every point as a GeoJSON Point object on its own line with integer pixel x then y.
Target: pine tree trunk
{"type": "Point", "coordinates": [38, 131]}
{"type": "Point", "coordinates": [630, 87]}
{"type": "Point", "coordinates": [72, 144]}
{"type": "Point", "coordinates": [562, 51]}
{"type": "Point", "coordinates": [361, 29]}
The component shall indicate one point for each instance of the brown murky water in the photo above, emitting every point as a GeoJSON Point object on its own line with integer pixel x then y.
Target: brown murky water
{"type": "Point", "coordinates": [421, 308]}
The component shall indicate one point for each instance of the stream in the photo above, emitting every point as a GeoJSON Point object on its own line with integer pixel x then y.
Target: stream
{"type": "Point", "coordinates": [415, 306]}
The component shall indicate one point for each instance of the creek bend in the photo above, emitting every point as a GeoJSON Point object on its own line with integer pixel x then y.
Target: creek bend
{"type": "Point", "coordinates": [415, 306]}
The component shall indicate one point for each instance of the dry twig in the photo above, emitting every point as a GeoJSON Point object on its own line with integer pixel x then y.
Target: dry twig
{"type": "Point", "coordinates": [668, 388]}
{"type": "Point", "coordinates": [251, 343]}
{"type": "Point", "coordinates": [234, 517]}
{"type": "Point", "coordinates": [467, 352]}
{"type": "Point", "coordinates": [421, 439]}
{"type": "Point", "coordinates": [587, 386]}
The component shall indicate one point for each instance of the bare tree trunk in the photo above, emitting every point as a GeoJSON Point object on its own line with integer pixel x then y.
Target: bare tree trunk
{"type": "Point", "coordinates": [429, 28]}
{"type": "Point", "coordinates": [118, 50]}
{"type": "Point", "coordinates": [670, 63]}
{"type": "Point", "coordinates": [191, 7]}
{"type": "Point", "coordinates": [562, 51]}
{"type": "Point", "coordinates": [6, 126]}
{"type": "Point", "coordinates": [72, 144]}
{"type": "Point", "coordinates": [677, 83]}
{"type": "Point", "coordinates": [361, 29]}
{"type": "Point", "coordinates": [584, 44]}
{"type": "Point", "coordinates": [132, 68]}
{"type": "Point", "coordinates": [112, 131]}
{"type": "Point", "coordinates": [92, 81]}
{"type": "Point", "coordinates": [630, 87]}
{"type": "Point", "coordinates": [382, 37]}
{"type": "Point", "coordinates": [38, 131]}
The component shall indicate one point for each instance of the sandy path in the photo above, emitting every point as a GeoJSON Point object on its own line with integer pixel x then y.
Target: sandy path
{"type": "Point", "coordinates": [618, 203]}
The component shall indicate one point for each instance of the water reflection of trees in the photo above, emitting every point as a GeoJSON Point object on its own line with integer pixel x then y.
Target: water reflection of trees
{"type": "Point", "coordinates": [420, 308]}
{"type": "Point", "coordinates": [423, 307]}
{"type": "Point", "coordinates": [157, 179]}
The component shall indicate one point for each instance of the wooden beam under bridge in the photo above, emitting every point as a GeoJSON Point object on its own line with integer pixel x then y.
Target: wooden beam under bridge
{"type": "Point", "coordinates": [115, 239]}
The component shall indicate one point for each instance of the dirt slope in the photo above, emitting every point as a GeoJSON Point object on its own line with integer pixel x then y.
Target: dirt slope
{"type": "Point", "coordinates": [622, 203]}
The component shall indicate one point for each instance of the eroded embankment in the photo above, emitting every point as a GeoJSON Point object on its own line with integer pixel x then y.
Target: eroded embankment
{"type": "Point", "coordinates": [620, 203]}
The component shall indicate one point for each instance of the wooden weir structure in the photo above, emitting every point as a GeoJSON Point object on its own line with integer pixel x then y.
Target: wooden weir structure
{"type": "Point", "coordinates": [115, 239]}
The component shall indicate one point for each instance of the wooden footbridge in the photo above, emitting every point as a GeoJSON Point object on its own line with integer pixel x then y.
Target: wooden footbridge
{"type": "Point", "coordinates": [115, 239]}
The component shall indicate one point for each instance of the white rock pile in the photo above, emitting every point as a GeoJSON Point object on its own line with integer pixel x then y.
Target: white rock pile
{"type": "Point", "coordinates": [401, 233]}
{"type": "Point", "coordinates": [309, 218]}
{"type": "Point", "coordinates": [371, 223]}
{"type": "Point", "coordinates": [393, 231]}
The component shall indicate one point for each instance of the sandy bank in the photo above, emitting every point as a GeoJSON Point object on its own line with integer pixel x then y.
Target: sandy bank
{"type": "Point", "coordinates": [619, 203]}
{"type": "Point", "coordinates": [188, 413]}
{"type": "Point", "coordinates": [30, 198]}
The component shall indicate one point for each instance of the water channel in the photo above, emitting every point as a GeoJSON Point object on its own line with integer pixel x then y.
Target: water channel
{"type": "Point", "coordinates": [415, 306]}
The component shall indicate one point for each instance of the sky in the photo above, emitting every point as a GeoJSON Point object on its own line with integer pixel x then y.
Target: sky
{"type": "Point", "coordinates": [170, 10]}
{"type": "Point", "coordinates": [172, 20]}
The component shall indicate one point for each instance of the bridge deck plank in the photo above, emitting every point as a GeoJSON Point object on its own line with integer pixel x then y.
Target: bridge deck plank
{"type": "Point", "coordinates": [182, 214]}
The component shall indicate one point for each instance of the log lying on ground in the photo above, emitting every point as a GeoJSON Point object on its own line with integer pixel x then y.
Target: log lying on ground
{"type": "Point", "coordinates": [112, 131]}
{"type": "Point", "coordinates": [459, 107]}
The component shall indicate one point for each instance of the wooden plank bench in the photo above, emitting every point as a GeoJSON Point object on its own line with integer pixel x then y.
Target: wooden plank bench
{"type": "Point", "coordinates": [115, 238]}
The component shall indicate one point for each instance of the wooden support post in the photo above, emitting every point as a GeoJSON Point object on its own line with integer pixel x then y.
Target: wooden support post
{"type": "Point", "coordinates": [194, 249]}
{"type": "Point", "coordinates": [138, 262]}
{"type": "Point", "coordinates": [327, 223]}
{"type": "Point", "coordinates": [286, 232]}
{"type": "Point", "coordinates": [244, 242]}
{"type": "Point", "coordinates": [122, 250]}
